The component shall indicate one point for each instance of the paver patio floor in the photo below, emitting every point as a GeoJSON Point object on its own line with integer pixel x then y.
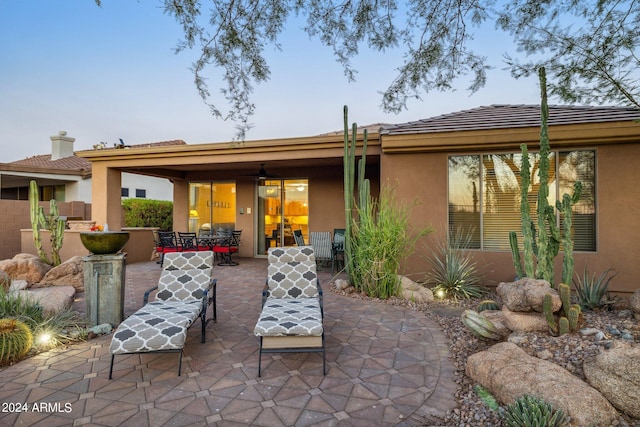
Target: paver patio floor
{"type": "Point", "coordinates": [386, 366]}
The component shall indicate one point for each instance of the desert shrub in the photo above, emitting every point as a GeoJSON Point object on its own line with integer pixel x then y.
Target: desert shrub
{"type": "Point", "coordinates": [530, 411]}
{"type": "Point", "coordinates": [16, 307]}
{"type": "Point", "coordinates": [148, 213]}
{"type": "Point", "coordinates": [454, 273]}
{"type": "Point", "coordinates": [382, 239]}
{"type": "Point", "coordinates": [591, 290]}
{"type": "Point", "coordinates": [62, 327]}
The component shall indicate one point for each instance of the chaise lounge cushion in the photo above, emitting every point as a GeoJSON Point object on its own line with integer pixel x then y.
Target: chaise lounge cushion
{"type": "Point", "coordinates": [183, 285]}
{"type": "Point", "coordinates": [287, 317]}
{"type": "Point", "coordinates": [159, 325]}
{"type": "Point", "coordinates": [291, 273]}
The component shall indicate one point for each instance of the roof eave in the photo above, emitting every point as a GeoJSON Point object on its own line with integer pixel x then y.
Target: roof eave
{"type": "Point", "coordinates": [511, 139]}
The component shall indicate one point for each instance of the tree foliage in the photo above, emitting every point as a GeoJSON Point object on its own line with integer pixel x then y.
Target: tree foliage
{"type": "Point", "coordinates": [589, 47]}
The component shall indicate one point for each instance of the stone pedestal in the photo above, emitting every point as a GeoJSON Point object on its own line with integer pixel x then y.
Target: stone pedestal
{"type": "Point", "coordinates": [104, 281]}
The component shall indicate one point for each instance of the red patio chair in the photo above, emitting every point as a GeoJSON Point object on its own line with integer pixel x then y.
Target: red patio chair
{"type": "Point", "coordinates": [167, 243]}
{"type": "Point", "coordinates": [226, 245]}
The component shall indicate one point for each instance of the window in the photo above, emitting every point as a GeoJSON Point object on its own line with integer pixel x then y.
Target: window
{"type": "Point", "coordinates": [212, 206]}
{"type": "Point", "coordinates": [141, 193]}
{"type": "Point", "coordinates": [124, 192]}
{"type": "Point", "coordinates": [484, 195]}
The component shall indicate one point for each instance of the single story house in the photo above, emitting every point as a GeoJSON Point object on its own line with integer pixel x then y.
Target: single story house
{"type": "Point", "coordinates": [462, 168]}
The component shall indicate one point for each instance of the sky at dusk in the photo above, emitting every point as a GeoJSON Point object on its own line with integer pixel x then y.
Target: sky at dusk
{"type": "Point", "coordinates": [110, 72]}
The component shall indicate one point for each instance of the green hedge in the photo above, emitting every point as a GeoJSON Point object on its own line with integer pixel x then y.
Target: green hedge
{"type": "Point", "coordinates": [148, 213]}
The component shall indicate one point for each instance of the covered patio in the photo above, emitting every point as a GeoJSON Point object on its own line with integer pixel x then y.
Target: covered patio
{"type": "Point", "coordinates": [386, 366]}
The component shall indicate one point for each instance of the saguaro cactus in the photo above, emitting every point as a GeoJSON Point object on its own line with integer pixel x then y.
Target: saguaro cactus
{"type": "Point", "coordinates": [34, 198]}
{"type": "Point", "coordinates": [350, 146]}
{"type": "Point", "coordinates": [542, 243]}
{"type": "Point", "coordinates": [51, 222]}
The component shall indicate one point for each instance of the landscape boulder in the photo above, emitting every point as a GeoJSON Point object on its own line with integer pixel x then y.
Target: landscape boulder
{"type": "Point", "coordinates": [69, 273]}
{"type": "Point", "coordinates": [634, 302]}
{"type": "Point", "coordinates": [52, 299]}
{"type": "Point", "coordinates": [5, 280]}
{"type": "Point", "coordinates": [616, 374]}
{"type": "Point", "coordinates": [527, 295]}
{"type": "Point", "coordinates": [341, 284]}
{"type": "Point", "coordinates": [524, 321]}
{"type": "Point", "coordinates": [508, 372]}
{"type": "Point", "coordinates": [25, 267]}
{"type": "Point", "coordinates": [18, 285]}
{"type": "Point", "coordinates": [413, 291]}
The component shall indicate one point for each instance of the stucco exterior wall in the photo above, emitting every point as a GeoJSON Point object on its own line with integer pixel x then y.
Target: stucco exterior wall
{"type": "Point", "coordinates": [424, 176]}
{"type": "Point", "coordinates": [15, 215]}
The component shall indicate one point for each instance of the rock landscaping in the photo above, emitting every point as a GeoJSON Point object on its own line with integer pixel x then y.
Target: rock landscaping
{"type": "Point", "coordinates": [605, 344]}
{"type": "Point", "coordinates": [54, 288]}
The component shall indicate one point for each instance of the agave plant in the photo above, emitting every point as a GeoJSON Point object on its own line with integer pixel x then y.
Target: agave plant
{"type": "Point", "coordinates": [592, 290]}
{"type": "Point", "coordinates": [530, 411]}
{"type": "Point", "coordinates": [454, 272]}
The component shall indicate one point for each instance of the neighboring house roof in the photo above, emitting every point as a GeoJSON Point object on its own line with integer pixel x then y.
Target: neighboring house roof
{"type": "Point", "coordinates": [44, 161]}
{"type": "Point", "coordinates": [512, 116]}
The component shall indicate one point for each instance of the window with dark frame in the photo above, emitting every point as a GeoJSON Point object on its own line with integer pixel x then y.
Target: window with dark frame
{"type": "Point", "coordinates": [484, 196]}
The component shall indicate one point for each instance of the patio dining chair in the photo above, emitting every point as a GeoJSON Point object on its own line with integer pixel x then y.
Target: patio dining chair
{"type": "Point", "coordinates": [299, 238]}
{"type": "Point", "coordinates": [337, 249]}
{"type": "Point", "coordinates": [192, 242]}
{"type": "Point", "coordinates": [321, 242]}
{"type": "Point", "coordinates": [292, 313]}
{"type": "Point", "coordinates": [167, 243]}
{"type": "Point", "coordinates": [226, 245]}
{"type": "Point", "coordinates": [184, 291]}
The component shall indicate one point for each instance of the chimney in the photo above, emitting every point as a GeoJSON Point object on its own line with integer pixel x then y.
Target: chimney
{"type": "Point", "coordinates": [61, 146]}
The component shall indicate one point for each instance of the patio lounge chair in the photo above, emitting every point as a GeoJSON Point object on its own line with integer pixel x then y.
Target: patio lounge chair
{"type": "Point", "coordinates": [184, 291]}
{"type": "Point", "coordinates": [292, 313]}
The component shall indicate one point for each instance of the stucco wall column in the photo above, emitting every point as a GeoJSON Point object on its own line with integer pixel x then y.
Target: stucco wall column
{"type": "Point", "coordinates": [180, 205]}
{"type": "Point", "coordinates": [106, 189]}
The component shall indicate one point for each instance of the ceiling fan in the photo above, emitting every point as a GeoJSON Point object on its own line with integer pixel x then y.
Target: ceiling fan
{"type": "Point", "coordinates": [262, 173]}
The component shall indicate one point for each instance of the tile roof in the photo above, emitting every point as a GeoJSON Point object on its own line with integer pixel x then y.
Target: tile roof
{"type": "Point", "coordinates": [512, 116]}
{"type": "Point", "coordinates": [374, 127]}
{"type": "Point", "coordinates": [44, 161]}
{"type": "Point", "coordinates": [78, 163]}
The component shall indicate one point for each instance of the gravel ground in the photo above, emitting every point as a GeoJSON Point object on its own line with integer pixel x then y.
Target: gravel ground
{"type": "Point", "coordinates": [568, 351]}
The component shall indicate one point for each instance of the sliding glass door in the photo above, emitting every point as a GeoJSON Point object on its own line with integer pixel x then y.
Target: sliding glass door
{"type": "Point", "coordinates": [283, 209]}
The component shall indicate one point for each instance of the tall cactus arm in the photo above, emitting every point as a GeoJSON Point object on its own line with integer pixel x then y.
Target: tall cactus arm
{"type": "Point", "coordinates": [528, 229]}
{"type": "Point", "coordinates": [515, 254]}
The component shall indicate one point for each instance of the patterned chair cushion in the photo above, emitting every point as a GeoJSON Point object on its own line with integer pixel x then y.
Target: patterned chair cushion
{"type": "Point", "coordinates": [285, 317]}
{"type": "Point", "coordinates": [183, 285]}
{"type": "Point", "coordinates": [292, 280]}
{"type": "Point", "coordinates": [292, 272]}
{"type": "Point", "coordinates": [159, 325]}
{"type": "Point", "coordinates": [188, 260]}
{"type": "Point", "coordinates": [292, 254]}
